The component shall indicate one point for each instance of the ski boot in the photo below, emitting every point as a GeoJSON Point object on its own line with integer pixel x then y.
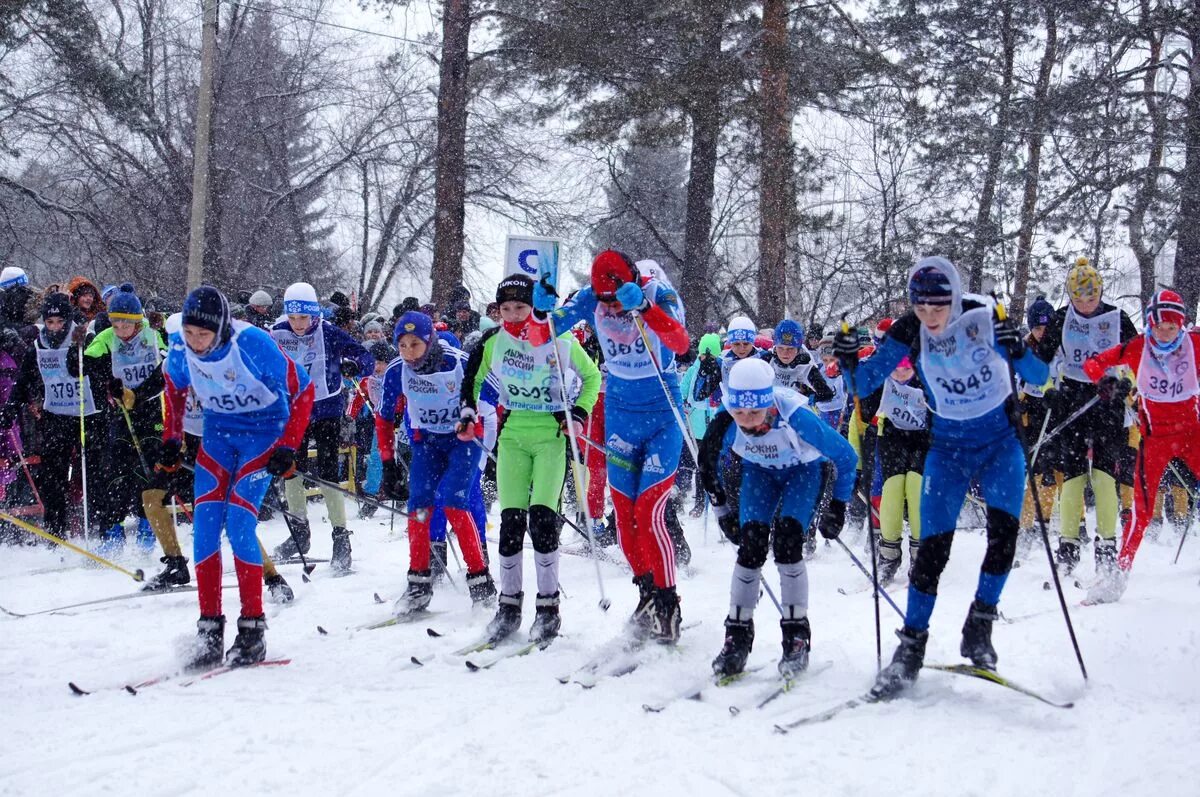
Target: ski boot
{"type": "Point", "coordinates": [889, 561]}
{"type": "Point", "coordinates": [666, 617]}
{"type": "Point", "coordinates": [437, 560]}
{"type": "Point", "coordinates": [481, 589]}
{"type": "Point", "coordinates": [602, 535]}
{"type": "Point", "coordinates": [507, 619]}
{"type": "Point", "coordinates": [112, 542]}
{"type": "Point", "coordinates": [175, 574]}
{"type": "Point", "coordinates": [366, 510]}
{"type": "Point", "coordinates": [546, 621]}
{"type": "Point", "coordinates": [797, 642]}
{"type": "Point", "coordinates": [339, 560]}
{"type": "Point", "coordinates": [1106, 557]}
{"type": "Point", "coordinates": [905, 666]}
{"type": "Point", "coordinates": [1067, 556]}
{"type": "Point", "coordinates": [1109, 587]}
{"type": "Point", "coordinates": [418, 594]}
{"type": "Point", "coordinates": [639, 621]}
{"type": "Point", "coordinates": [297, 542]}
{"type": "Point", "coordinates": [145, 536]}
{"type": "Point", "coordinates": [739, 638]}
{"type": "Point", "coordinates": [278, 589]}
{"type": "Point", "coordinates": [209, 647]}
{"type": "Point", "coordinates": [977, 636]}
{"type": "Point", "coordinates": [249, 647]}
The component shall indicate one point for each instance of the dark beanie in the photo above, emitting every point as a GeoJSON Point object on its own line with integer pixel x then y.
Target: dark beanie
{"type": "Point", "coordinates": [515, 288]}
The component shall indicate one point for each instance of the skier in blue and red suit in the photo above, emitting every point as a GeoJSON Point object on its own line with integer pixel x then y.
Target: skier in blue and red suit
{"type": "Point", "coordinates": [256, 404]}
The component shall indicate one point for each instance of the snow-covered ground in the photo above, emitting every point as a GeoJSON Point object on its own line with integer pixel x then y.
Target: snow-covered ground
{"type": "Point", "coordinates": [352, 715]}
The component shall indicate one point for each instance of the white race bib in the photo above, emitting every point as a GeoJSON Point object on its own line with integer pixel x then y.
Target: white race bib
{"type": "Point", "coordinates": [226, 386]}
{"type": "Point", "coordinates": [1086, 337]}
{"type": "Point", "coordinates": [134, 361]}
{"type": "Point", "coordinates": [965, 375]}
{"type": "Point", "coordinates": [780, 447]}
{"type": "Point", "coordinates": [308, 351]}
{"type": "Point", "coordinates": [433, 399]}
{"type": "Point", "coordinates": [62, 389]}
{"type": "Point", "coordinates": [1168, 379]}
{"type": "Point", "coordinates": [904, 406]}
{"type": "Point", "coordinates": [528, 374]}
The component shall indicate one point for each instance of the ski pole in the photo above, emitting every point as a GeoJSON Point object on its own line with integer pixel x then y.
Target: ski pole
{"type": "Point", "coordinates": [1002, 314]}
{"type": "Point", "coordinates": [137, 446]}
{"type": "Point", "coordinates": [863, 569]}
{"type": "Point", "coordinates": [662, 382]}
{"type": "Point", "coordinates": [356, 496]}
{"type": "Point", "coordinates": [83, 477]}
{"type": "Point", "coordinates": [1191, 514]}
{"type": "Point", "coordinates": [136, 575]}
{"type": "Point", "coordinates": [580, 491]}
{"type": "Point", "coordinates": [305, 567]}
{"type": "Point", "coordinates": [12, 436]}
{"type": "Point", "coordinates": [1087, 405]}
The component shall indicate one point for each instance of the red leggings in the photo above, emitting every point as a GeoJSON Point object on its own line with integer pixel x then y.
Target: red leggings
{"type": "Point", "coordinates": [1154, 455]}
{"type": "Point", "coordinates": [595, 460]}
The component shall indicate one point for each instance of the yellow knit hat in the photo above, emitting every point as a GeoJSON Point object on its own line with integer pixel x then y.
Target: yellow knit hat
{"type": "Point", "coordinates": [1083, 280]}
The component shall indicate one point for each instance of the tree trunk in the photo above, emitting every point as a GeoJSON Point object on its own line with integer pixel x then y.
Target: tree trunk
{"type": "Point", "coordinates": [1187, 252]}
{"type": "Point", "coordinates": [704, 112]}
{"type": "Point", "coordinates": [1147, 187]}
{"type": "Point", "coordinates": [985, 226]}
{"type": "Point", "coordinates": [775, 202]}
{"type": "Point", "coordinates": [451, 169]}
{"type": "Point", "coordinates": [1033, 162]}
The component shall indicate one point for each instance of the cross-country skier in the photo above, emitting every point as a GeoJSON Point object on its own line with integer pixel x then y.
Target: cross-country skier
{"type": "Point", "coordinates": [428, 377]}
{"type": "Point", "coordinates": [782, 445]}
{"type": "Point", "coordinates": [962, 353]}
{"type": "Point", "coordinates": [326, 353]}
{"type": "Point", "coordinates": [1165, 363]}
{"type": "Point", "coordinates": [795, 366]}
{"type": "Point", "coordinates": [1086, 326]}
{"type": "Point", "coordinates": [642, 419]}
{"type": "Point", "coordinates": [519, 357]}
{"type": "Point", "coordinates": [256, 404]}
{"type": "Point", "coordinates": [1034, 410]}
{"type": "Point", "coordinates": [901, 444]}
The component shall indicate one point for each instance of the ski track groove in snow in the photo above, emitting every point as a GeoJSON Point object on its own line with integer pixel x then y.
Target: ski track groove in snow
{"type": "Point", "coordinates": [351, 715]}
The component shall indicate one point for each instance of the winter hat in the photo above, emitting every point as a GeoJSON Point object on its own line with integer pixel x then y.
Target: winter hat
{"type": "Point", "coordinates": [125, 305]}
{"type": "Point", "coordinates": [429, 309]}
{"type": "Point", "coordinates": [1083, 280]}
{"type": "Point", "coordinates": [750, 385]}
{"type": "Point", "coordinates": [174, 323]}
{"type": "Point", "coordinates": [261, 298]}
{"type": "Point", "coordinates": [417, 324]}
{"type": "Point", "coordinates": [905, 362]}
{"type": "Point", "coordinates": [56, 305]}
{"type": "Point", "coordinates": [409, 303]}
{"type": "Point", "coordinates": [12, 276]}
{"type": "Point", "coordinates": [930, 285]}
{"type": "Point", "coordinates": [710, 344]}
{"type": "Point", "coordinates": [449, 338]}
{"type": "Point", "coordinates": [300, 298]}
{"type": "Point", "coordinates": [372, 326]}
{"type": "Point", "coordinates": [105, 294]}
{"type": "Point", "coordinates": [207, 308]}
{"type": "Point", "coordinates": [340, 299]}
{"type": "Point", "coordinates": [610, 270]}
{"type": "Point", "coordinates": [741, 330]}
{"type": "Point", "coordinates": [1166, 306]}
{"type": "Point", "coordinates": [382, 352]}
{"type": "Point", "coordinates": [789, 333]}
{"type": "Point", "coordinates": [1038, 314]}
{"type": "Point", "coordinates": [515, 288]}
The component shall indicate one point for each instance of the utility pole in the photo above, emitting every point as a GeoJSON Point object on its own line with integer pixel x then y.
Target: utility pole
{"type": "Point", "coordinates": [200, 159]}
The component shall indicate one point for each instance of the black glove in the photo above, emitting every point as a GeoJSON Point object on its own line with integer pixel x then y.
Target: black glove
{"type": "Point", "coordinates": [282, 461]}
{"type": "Point", "coordinates": [727, 519]}
{"type": "Point", "coordinates": [833, 519]}
{"type": "Point", "coordinates": [395, 486]}
{"type": "Point", "coordinates": [845, 348]}
{"type": "Point", "coordinates": [170, 453]}
{"type": "Point", "coordinates": [1009, 338]}
{"type": "Point", "coordinates": [349, 369]}
{"type": "Point", "coordinates": [1113, 389]}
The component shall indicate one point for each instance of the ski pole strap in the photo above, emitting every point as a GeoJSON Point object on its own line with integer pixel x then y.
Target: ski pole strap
{"type": "Point", "coordinates": [32, 529]}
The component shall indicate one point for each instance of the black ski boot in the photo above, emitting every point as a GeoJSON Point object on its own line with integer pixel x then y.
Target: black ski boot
{"type": "Point", "coordinates": [889, 561]}
{"type": "Point", "coordinates": [666, 618]}
{"type": "Point", "coordinates": [175, 574]}
{"type": "Point", "coordinates": [977, 636]}
{"type": "Point", "coordinates": [209, 650]}
{"type": "Point", "coordinates": [739, 638]}
{"type": "Point", "coordinates": [298, 541]}
{"type": "Point", "coordinates": [366, 510]}
{"type": "Point", "coordinates": [797, 642]}
{"type": "Point", "coordinates": [507, 619]}
{"type": "Point", "coordinates": [437, 560]}
{"type": "Point", "coordinates": [546, 621]}
{"type": "Point", "coordinates": [340, 560]}
{"type": "Point", "coordinates": [481, 589]}
{"type": "Point", "coordinates": [249, 647]}
{"type": "Point", "coordinates": [1106, 557]}
{"type": "Point", "coordinates": [418, 594]}
{"type": "Point", "coordinates": [640, 620]}
{"type": "Point", "coordinates": [278, 589]}
{"type": "Point", "coordinates": [906, 664]}
{"type": "Point", "coordinates": [1067, 556]}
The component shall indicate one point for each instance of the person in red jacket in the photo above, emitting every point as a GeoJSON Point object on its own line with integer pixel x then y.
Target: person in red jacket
{"type": "Point", "coordinates": [1168, 383]}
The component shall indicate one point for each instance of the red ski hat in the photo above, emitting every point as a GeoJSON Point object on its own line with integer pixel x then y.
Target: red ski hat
{"type": "Point", "coordinates": [610, 270]}
{"type": "Point", "coordinates": [1166, 306]}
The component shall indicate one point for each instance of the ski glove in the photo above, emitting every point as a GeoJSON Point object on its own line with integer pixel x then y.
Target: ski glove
{"type": "Point", "coordinates": [1008, 337]}
{"type": "Point", "coordinates": [845, 348]}
{"type": "Point", "coordinates": [282, 462]}
{"type": "Point", "coordinates": [1113, 389]}
{"type": "Point", "coordinates": [833, 519]}
{"type": "Point", "coordinates": [349, 368]}
{"type": "Point", "coordinates": [169, 456]}
{"type": "Point", "coordinates": [728, 521]}
{"type": "Point", "coordinates": [632, 297]}
{"type": "Point", "coordinates": [122, 394]}
{"type": "Point", "coordinates": [544, 296]}
{"type": "Point", "coordinates": [394, 483]}
{"type": "Point", "coordinates": [467, 426]}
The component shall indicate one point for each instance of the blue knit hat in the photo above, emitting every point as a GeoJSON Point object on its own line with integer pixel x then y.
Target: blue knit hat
{"type": "Point", "coordinates": [789, 333]}
{"type": "Point", "coordinates": [412, 323]}
{"type": "Point", "coordinates": [125, 305]}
